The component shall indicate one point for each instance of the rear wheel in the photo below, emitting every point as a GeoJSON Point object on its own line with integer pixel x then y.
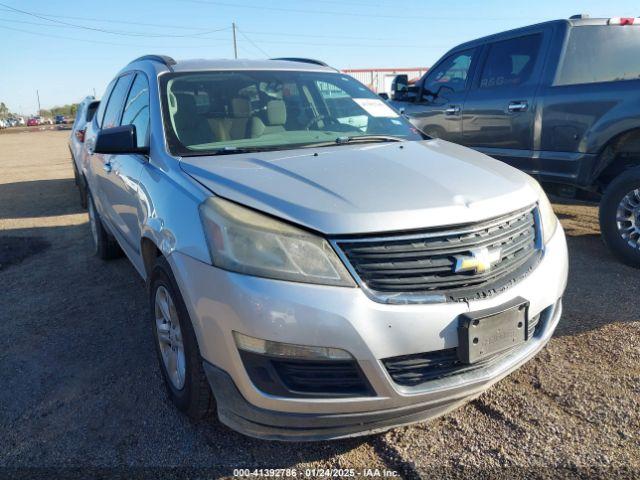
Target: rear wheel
{"type": "Point", "coordinates": [104, 245]}
{"type": "Point", "coordinates": [176, 345]}
{"type": "Point", "coordinates": [620, 217]}
{"type": "Point", "coordinates": [82, 189]}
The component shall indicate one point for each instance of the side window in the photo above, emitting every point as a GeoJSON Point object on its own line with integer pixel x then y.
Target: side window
{"type": "Point", "coordinates": [114, 105]}
{"type": "Point", "coordinates": [103, 105]}
{"type": "Point", "coordinates": [452, 72]}
{"type": "Point", "coordinates": [91, 111]}
{"type": "Point", "coordinates": [510, 62]}
{"type": "Point", "coordinates": [136, 109]}
{"type": "Point", "coordinates": [600, 53]}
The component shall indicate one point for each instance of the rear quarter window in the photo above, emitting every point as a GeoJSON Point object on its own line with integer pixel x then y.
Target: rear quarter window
{"type": "Point", "coordinates": [602, 53]}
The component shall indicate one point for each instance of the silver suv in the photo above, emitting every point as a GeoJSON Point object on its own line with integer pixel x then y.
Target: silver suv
{"type": "Point", "coordinates": [316, 267]}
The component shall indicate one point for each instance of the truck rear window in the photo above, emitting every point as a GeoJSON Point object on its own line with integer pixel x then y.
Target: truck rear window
{"type": "Point", "coordinates": [600, 54]}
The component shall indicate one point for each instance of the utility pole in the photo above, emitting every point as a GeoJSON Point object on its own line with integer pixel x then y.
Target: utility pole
{"type": "Point", "coordinates": [235, 42]}
{"type": "Point", "coordinates": [38, 95]}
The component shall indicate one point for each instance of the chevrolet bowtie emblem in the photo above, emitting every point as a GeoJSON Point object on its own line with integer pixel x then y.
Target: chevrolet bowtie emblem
{"type": "Point", "coordinates": [479, 260]}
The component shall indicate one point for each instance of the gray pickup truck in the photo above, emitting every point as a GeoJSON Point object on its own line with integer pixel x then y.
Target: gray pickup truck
{"type": "Point", "coordinates": [559, 100]}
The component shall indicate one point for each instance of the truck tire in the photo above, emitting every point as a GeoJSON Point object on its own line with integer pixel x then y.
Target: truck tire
{"type": "Point", "coordinates": [177, 346]}
{"type": "Point", "coordinates": [620, 217]}
{"type": "Point", "coordinates": [104, 245]}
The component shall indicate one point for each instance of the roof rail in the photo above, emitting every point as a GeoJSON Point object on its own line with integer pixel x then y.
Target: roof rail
{"type": "Point", "coordinates": [164, 59]}
{"type": "Point", "coordinates": [302, 60]}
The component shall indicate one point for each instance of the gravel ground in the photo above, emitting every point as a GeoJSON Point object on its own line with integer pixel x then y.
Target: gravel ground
{"type": "Point", "coordinates": [81, 387]}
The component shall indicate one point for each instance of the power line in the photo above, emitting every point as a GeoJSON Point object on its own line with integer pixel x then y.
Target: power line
{"type": "Point", "coordinates": [308, 35]}
{"type": "Point", "coordinates": [353, 14]}
{"type": "Point", "coordinates": [252, 42]}
{"type": "Point", "coordinates": [48, 25]}
{"type": "Point", "coordinates": [75, 39]}
{"type": "Point", "coordinates": [109, 20]}
{"type": "Point", "coordinates": [112, 32]}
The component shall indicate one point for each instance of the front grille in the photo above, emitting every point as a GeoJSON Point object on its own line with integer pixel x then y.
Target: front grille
{"type": "Point", "coordinates": [412, 267]}
{"type": "Point", "coordinates": [412, 370]}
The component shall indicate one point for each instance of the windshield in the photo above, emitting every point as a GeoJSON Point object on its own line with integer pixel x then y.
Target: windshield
{"type": "Point", "coordinates": [219, 111]}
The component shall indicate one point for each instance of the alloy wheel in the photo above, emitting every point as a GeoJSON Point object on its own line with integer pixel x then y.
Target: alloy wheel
{"type": "Point", "coordinates": [170, 337]}
{"type": "Point", "coordinates": [628, 218]}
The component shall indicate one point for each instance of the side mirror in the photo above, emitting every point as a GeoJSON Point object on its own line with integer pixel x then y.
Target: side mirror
{"type": "Point", "coordinates": [383, 96]}
{"type": "Point", "coordinates": [117, 140]}
{"type": "Point", "coordinates": [399, 87]}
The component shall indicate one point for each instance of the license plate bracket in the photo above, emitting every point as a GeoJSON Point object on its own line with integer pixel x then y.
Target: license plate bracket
{"type": "Point", "coordinates": [484, 333]}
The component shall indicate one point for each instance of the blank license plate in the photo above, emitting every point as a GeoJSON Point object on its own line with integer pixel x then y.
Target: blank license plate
{"type": "Point", "coordinates": [487, 332]}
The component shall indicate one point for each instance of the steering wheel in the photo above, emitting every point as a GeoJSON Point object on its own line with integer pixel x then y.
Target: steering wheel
{"type": "Point", "coordinates": [314, 120]}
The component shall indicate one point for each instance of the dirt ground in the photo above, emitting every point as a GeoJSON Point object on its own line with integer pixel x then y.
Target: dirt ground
{"type": "Point", "coordinates": [81, 387]}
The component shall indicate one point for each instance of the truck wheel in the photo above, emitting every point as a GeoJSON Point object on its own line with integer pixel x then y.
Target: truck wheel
{"type": "Point", "coordinates": [176, 345]}
{"type": "Point", "coordinates": [104, 245]}
{"type": "Point", "coordinates": [620, 217]}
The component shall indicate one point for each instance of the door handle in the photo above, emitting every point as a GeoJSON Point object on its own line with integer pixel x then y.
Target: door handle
{"type": "Point", "coordinates": [518, 106]}
{"type": "Point", "coordinates": [452, 110]}
{"type": "Point", "coordinates": [107, 167]}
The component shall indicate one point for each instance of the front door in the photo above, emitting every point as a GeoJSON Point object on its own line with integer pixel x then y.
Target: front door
{"type": "Point", "coordinates": [499, 111]}
{"type": "Point", "coordinates": [438, 109]}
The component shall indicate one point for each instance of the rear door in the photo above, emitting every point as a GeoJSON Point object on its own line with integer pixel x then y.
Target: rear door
{"type": "Point", "coordinates": [438, 109]}
{"type": "Point", "coordinates": [105, 184]}
{"type": "Point", "coordinates": [499, 111]}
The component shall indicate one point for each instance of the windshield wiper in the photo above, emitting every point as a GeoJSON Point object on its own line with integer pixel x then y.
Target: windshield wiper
{"type": "Point", "coordinates": [229, 151]}
{"type": "Point", "coordinates": [356, 139]}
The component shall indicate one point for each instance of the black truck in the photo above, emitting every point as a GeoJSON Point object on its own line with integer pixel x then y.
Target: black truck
{"type": "Point", "coordinates": [559, 100]}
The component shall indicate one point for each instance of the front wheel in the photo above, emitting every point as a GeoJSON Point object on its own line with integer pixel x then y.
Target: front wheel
{"type": "Point", "coordinates": [176, 345]}
{"type": "Point", "coordinates": [620, 217]}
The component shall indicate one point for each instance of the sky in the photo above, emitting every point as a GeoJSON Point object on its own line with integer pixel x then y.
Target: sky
{"type": "Point", "coordinates": [67, 49]}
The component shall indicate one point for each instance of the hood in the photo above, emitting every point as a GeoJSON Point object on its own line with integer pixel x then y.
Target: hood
{"type": "Point", "coordinates": [381, 187]}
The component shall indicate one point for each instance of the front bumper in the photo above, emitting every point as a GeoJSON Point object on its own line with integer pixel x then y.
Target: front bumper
{"type": "Point", "coordinates": [220, 302]}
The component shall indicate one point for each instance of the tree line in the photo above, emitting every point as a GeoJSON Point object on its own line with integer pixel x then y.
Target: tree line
{"type": "Point", "coordinates": [68, 110]}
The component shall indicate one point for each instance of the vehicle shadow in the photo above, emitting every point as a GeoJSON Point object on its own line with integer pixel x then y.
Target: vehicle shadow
{"type": "Point", "coordinates": [38, 198]}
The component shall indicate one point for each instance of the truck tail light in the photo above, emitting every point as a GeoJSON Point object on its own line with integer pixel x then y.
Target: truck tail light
{"type": "Point", "coordinates": [624, 21]}
{"type": "Point", "coordinates": [80, 135]}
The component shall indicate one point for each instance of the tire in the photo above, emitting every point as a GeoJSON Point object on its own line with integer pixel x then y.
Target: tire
{"type": "Point", "coordinates": [82, 189]}
{"type": "Point", "coordinates": [76, 175]}
{"type": "Point", "coordinates": [621, 200]}
{"type": "Point", "coordinates": [193, 396]}
{"type": "Point", "coordinates": [105, 246]}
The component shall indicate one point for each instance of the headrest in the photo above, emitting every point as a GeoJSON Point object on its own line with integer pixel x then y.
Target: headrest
{"type": "Point", "coordinates": [186, 104]}
{"type": "Point", "coordinates": [240, 107]}
{"type": "Point", "coordinates": [276, 112]}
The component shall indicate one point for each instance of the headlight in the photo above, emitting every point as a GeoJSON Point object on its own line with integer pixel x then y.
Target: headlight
{"type": "Point", "coordinates": [245, 241]}
{"type": "Point", "coordinates": [547, 216]}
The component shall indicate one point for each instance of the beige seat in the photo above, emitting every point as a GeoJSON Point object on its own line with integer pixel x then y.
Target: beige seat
{"type": "Point", "coordinates": [240, 113]}
{"type": "Point", "coordinates": [274, 122]}
{"type": "Point", "coordinates": [219, 120]}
